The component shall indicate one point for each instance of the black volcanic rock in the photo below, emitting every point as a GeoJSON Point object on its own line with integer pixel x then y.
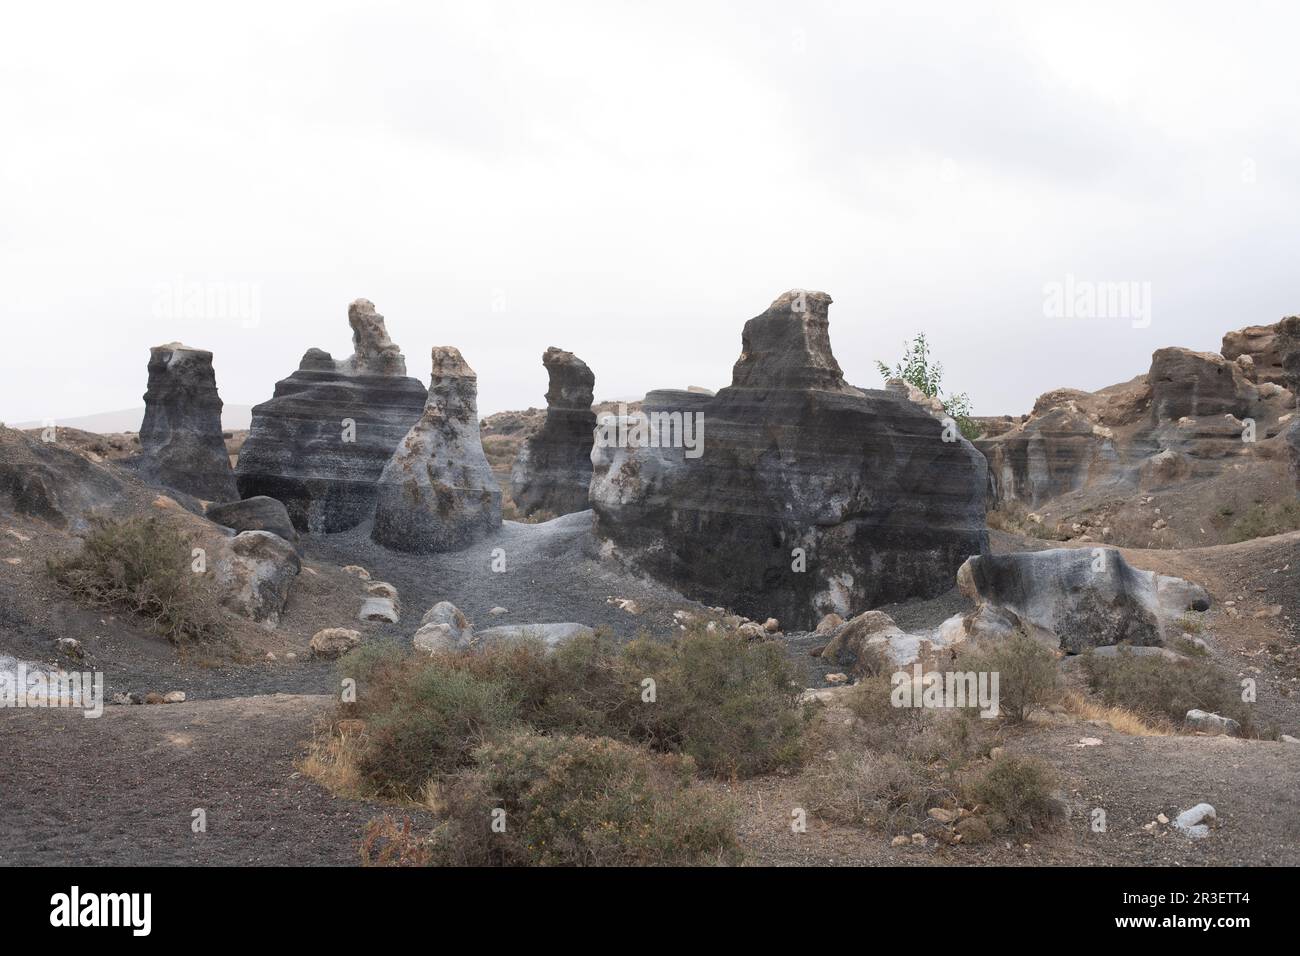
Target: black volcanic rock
{"type": "Point", "coordinates": [258, 513]}
{"type": "Point", "coordinates": [181, 444]}
{"type": "Point", "coordinates": [883, 501]}
{"type": "Point", "coordinates": [553, 470]}
{"type": "Point", "coordinates": [301, 449]}
{"type": "Point", "coordinates": [437, 492]}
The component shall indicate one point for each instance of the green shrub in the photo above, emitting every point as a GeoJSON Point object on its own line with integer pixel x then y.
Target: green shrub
{"type": "Point", "coordinates": [1018, 788]}
{"type": "Point", "coordinates": [142, 566]}
{"type": "Point", "coordinates": [422, 720]}
{"type": "Point", "coordinates": [580, 801]}
{"type": "Point", "coordinates": [1157, 687]}
{"type": "Point", "coordinates": [1027, 673]}
{"type": "Point", "coordinates": [730, 703]}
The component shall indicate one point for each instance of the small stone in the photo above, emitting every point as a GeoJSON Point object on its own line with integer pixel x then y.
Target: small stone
{"type": "Point", "coordinates": [379, 609]}
{"type": "Point", "coordinates": [174, 697]}
{"type": "Point", "coordinates": [751, 631]}
{"type": "Point", "coordinates": [837, 678]}
{"type": "Point", "coordinates": [497, 611]}
{"type": "Point", "coordinates": [1161, 818]}
{"type": "Point", "coordinates": [829, 623]}
{"type": "Point", "coordinates": [1288, 739]}
{"type": "Point", "coordinates": [70, 646]}
{"type": "Point", "coordinates": [357, 571]}
{"type": "Point", "coordinates": [899, 841]}
{"type": "Point", "coordinates": [1197, 821]}
{"type": "Point", "coordinates": [1089, 742]}
{"type": "Point", "coordinates": [772, 625]}
{"type": "Point", "coordinates": [1272, 610]}
{"type": "Point", "coordinates": [942, 815]}
{"type": "Point", "coordinates": [918, 839]}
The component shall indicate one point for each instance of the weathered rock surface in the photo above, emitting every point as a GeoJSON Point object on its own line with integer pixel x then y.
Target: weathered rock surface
{"type": "Point", "coordinates": [1196, 384]}
{"type": "Point", "coordinates": [1087, 465]}
{"type": "Point", "coordinates": [1293, 446]}
{"type": "Point", "coordinates": [45, 480]}
{"type": "Point", "coordinates": [334, 642]}
{"type": "Point", "coordinates": [437, 492]}
{"type": "Point", "coordinates": [258, 513]}
{"type": "Point", "coordinates": [553, 471]}
{"type": "Point", "coordinates": [1074, 598]}
{"type": "Point", "coordinates": [551, 635]}
{"type": "Point", "coordinates": [1212, 723]}
{"type": "Point", "coordinates": [1273, 350]}
{"type": "Point", "coordinates": [181, 444]}
{"type": "Point", "coordinates": [301, 449]}
{"type": "Point", "coordinates": [793, 493]}
{"type": "Point", "coordinates": [255, 574]}
{"type": "Point", "coordinates": [443, 628]}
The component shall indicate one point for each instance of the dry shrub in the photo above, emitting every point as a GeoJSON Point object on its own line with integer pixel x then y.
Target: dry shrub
{"type": "Point", "coordinates": [1017, 788]}
{"type": "Point", "coordinates": [1161, 689]}
{"type": "Point", "coordinates": [142, 566]}
{"type": "Point", "coordinates": [581, 801]}
{"type": "Point", "coordinates": [386, 842]}
{"type": "Point", "coordinates": [1027, 672]}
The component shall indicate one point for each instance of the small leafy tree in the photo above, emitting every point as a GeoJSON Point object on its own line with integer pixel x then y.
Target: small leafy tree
{"type": "Point", "coordinates": [920, 370]}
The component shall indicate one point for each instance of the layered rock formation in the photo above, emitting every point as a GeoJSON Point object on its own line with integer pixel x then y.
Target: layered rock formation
{"type": "Point", "coordinates": [181, 444]}
{"type": "Point", "coordinates": [320, 444]}
{"type": "Point", "coordinates": [553, 471]}
{"type": "Point", "coordinates": [437, 492]}
{"type": "Point", "coordinates": [1084, 458]}
{"type": "Point", "coordinates": [789, 493]}
{"type": "Point", "coordinates": [1074, 598]}
{"type": "Point", "coordinates": [1273, 351]}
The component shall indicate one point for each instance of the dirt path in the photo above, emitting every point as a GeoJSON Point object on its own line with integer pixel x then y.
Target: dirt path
{"type": "Point", "coordinates": [121, 789]}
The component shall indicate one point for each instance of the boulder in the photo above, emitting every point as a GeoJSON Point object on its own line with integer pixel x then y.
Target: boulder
{"type": "Point", "coordinates": [443, 628]}
{"type": "Point", "coordinates": [553, 470]}
{"type": "Point", "coordinates": [334, 642]}
{"type": "Point", "coordinates": [320, 444]}
{"type": "Point", "coordinates": [551, 635]}
{"type": "Point", "coordinates": [437, 492]}
{"type": "Point", "coordinates": [258, 513]}
{"type": "Point", "coordinates": [1197, 821]}
{"type": "Point", "coordinates": [1195, 384]}
{"type": "Point", "coordinates": [847, 646]}
{"type": "Point", "coordinates": [1273, 350]}
{"type": "Point", "coordinates": [254, 573]}
{"type": "Point", "coordinates": [181, 443]}
{"type": "Point", "coordinates": [1074, 598]}
{"type": "Point", "coordinates": [805, 495]}
{"type": "Point", "coordinates": [1212, 723]}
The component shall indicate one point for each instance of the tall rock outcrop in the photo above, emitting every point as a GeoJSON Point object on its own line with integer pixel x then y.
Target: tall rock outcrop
{"type": "Point", "coordinates": [181, 444]}
{"type": "Point", "coordinates": [1187, 384]}
{"type": "Point", "coordinates": [320, 444]}
{"type": "Point", "coordinates": [437, 492]}
{"type": "Point", "coordinates": [790, 493]}
{"type": "Point", "coordinates": [1273, 351]}
{"type": "Point", "coordinates": [553, 471]}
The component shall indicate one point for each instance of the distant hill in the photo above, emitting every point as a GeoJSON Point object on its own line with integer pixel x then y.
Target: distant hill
{"type": "Point", "coordinates": [233, 418]}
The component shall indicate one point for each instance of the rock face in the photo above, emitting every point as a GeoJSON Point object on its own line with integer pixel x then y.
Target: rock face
{"type": "Point", "coordinates": [181, 444]}
{"type": "Point", "coordinates": [553, 471]}
{"type": "Point", "coordinates": [789, 493]}
{"type": "Point", "coordinates": [1293, 446]}
{"type": "Point", "coordinates": [437, 492]}
{"type": "Point", "coordinates": [1074, 598]}
{"type": "Point", "coordinates": [43, 480]}
{"type": "Point", "coordinates": [1273, 350]}
{"type": "Point", "coordinates": [1194, 384]}
{"type": "Point", "coordinates": [320, 444]}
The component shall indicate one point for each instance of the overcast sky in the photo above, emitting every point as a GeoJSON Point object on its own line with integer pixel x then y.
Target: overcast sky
{"type": "Point", "coordinates": [634, 181]}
